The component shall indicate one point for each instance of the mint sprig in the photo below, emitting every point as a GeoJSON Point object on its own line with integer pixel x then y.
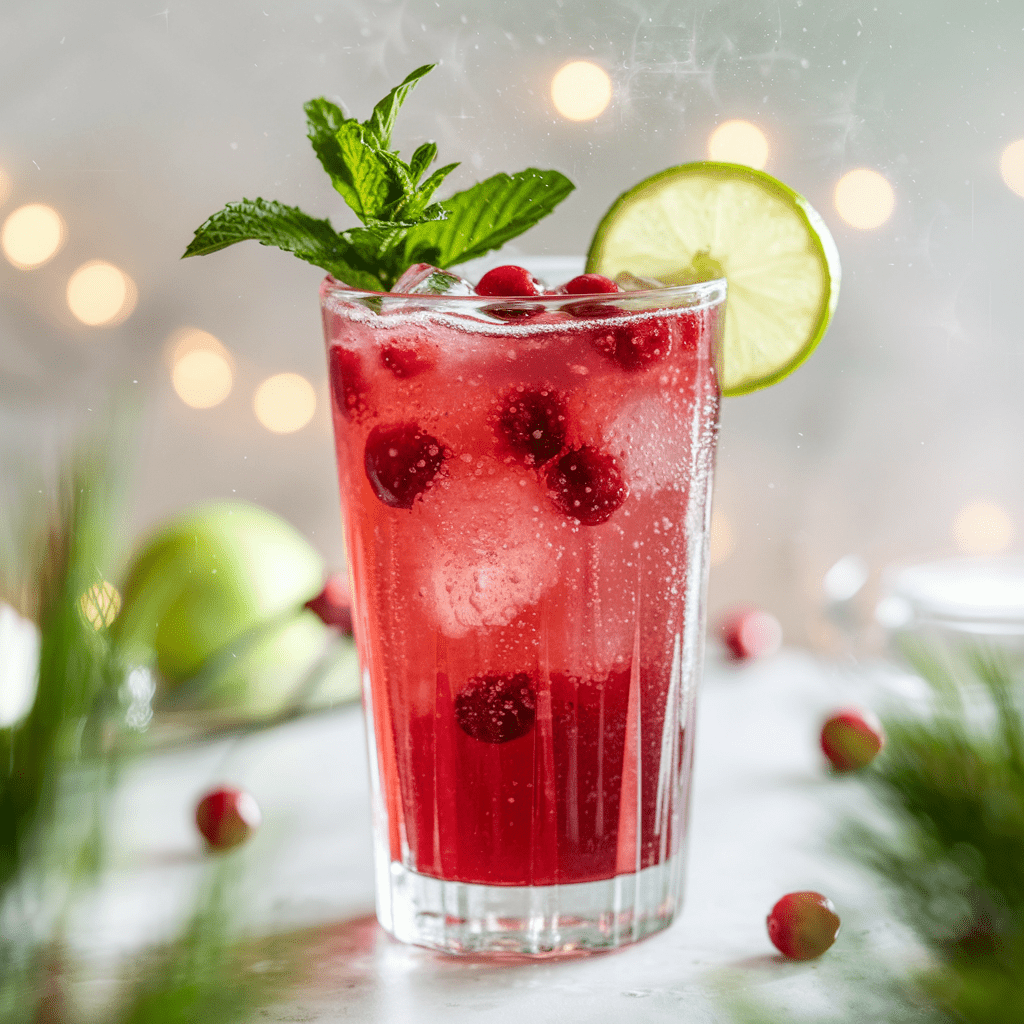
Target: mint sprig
{"type": "Point", "coordinates": [402, 225]}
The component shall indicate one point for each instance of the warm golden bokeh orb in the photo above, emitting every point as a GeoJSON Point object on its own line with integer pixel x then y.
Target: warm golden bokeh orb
{"type": "Point", "coordinates": [581, 90]}
{"type": "Point", "coordinates": [285, 403]}
{"type": "Point", "coordinates": [32, 235]}
{"type": "Point", "coordinates": [101, 295]}
{"type": "Point", "coordinates": [739, 142]}
{"type": "Point", "coordinates": [982, 528]}
{"type": "Point", "coordinates": [864, 199]}
{"type": "Point", "coordinates": [202, 370]}
{"type": "Point", "coordinates": [1011, 167]}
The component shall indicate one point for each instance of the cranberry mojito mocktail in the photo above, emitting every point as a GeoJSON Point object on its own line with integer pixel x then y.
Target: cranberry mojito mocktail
{"type": "Point", "coordinates": [525, 486]}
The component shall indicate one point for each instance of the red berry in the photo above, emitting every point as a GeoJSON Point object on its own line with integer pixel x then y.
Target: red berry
{"type": "Point", "coordinates": [508, 281]}
{"type": "Point", "coordinates": [851, 738]}
{"type": "Point", "coordinates": [404, 362]}
{"type": "Point", "coordinates": [497, 708]}
{"type": "Point", "coordinates": [334, 604]}
{"type": "Point", "coordinates": [347, 382]}
{"type": "Point", "coordinates": [587, 484]}
{"type": "Point", "coordinates": [400, 462]}
{"type": "Point", "coordinates": [227, 817]}
{"type": "Point", "coordinates": [533, 422]}
{"type": "Point", "coordinates": [749, 633]}
{"type": "Point", "coordinates": [802, 925]}
{"type": "Point", "coordinates": [590, 284]}
{"type": "Point", "coordinates": [635, 347]}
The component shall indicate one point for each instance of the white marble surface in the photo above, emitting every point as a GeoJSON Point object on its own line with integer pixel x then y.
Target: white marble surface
{"type": "Point", "coordinates": [762, 813]}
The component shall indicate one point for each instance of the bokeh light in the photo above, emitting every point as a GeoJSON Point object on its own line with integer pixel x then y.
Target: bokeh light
{"type": "Point", "coordinates": [580, 90]}
{"type": "Point", "coordinates": [285, 403]}
{"type": "Point", "coordinates": [100, 604]}
{"type": "Point", "coordinates": [32, 235]}
{"type": "Point", "coordinates": [1011, 167]}
{"type": "Point", "coordinates": [739, 142]}
{"type": "Point", "coordinates": [201, 368]}
{"type": "Point", "coordinates": [864, 199]}
{"type": "Point", "coordinates": [99, 294]}
{"type": "Point", "coordinates": [982, 528]}
{"type": "Point", "coordinates": [845, 579]}
{"type": "Point", "coordinates": [722, 543]}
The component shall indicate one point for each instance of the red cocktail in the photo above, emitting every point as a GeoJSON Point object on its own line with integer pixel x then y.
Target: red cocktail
{"type": "Point", "coordinates": [526, 489]}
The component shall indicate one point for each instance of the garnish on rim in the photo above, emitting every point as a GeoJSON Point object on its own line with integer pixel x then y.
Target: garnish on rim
{"type": "Point", "coordinates": [401, 223]}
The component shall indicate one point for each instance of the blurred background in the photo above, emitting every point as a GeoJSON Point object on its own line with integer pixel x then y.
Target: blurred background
{"type": "Point", "coordinates": [123, 125]}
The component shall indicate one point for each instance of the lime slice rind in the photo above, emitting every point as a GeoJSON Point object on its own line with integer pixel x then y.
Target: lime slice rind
{"type": "Point", "coordinates": [775, 250]}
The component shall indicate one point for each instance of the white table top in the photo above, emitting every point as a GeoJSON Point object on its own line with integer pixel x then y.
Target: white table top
{"type": "Point", "coordinates": [762, 814]}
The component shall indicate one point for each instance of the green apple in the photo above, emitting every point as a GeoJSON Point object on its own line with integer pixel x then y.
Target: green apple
{"type": "Point", "coordinates": [208, 578]}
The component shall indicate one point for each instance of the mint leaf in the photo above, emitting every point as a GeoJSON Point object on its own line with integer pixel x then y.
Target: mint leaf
{"type": "Point", "coordinates": [324, 120]}
{"type": "Point", "coordinates": [430, 186]}
{"type": "Point", "coordinates": [422, 159]}
{"type": "Point", "coordinates": [382, 120]}
{"type": "Point", "coordinates": [368, 179]}
{"type": "Point", "coordinates": [486, 216]}
{"type": "Point", "coordinates": [288, 228]}
{"type": "Point", "coordinates": [402, 224]}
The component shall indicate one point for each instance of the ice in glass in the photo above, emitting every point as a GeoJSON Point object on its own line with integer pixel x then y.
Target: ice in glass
{"type": "Point", "coordinates": [525, 487]}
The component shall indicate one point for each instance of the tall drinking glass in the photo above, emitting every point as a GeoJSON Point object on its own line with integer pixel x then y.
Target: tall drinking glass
{"type": "Point", "coordinates": [526, 491]}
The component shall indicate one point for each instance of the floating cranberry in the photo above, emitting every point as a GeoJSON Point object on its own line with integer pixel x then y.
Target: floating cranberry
{"type": "Point", "coordinates": [401, 461]}
{"type": "Point", "coordinates": [851, 738]}
{"type": "Point", "coordinates": [404, 362]}
{"type": "Point", "coordinates": [750, 633]}
{"type": "Point", "coordinates": [587, 484]}
{"type": "Point", "coordinates": [590, 284]}
{"type": "Point", "coordinates": [636, 346]}
{"type": "Point", "coordinates": [347, 381]}
{"type": "Point", "coordinates": [226, 817]}
{"type": "Point", "coordinates": [508, 281]}
{"type": "Point", "coordinates": [334, 604]}
{"type": "Point", "coordinates": [802, 925]}
{"type": "Point", "coordinates": [497, 708]}
{"type": "Point", "coordinates": [533, 422]}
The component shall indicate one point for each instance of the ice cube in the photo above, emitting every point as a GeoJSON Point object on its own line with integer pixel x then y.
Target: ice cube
{"type": "Point", "coordinates": [423, 279]}
{"type": "Point", "coordinates": [492, 550]}
{"type": "Point", "coordinates": [653, 436]}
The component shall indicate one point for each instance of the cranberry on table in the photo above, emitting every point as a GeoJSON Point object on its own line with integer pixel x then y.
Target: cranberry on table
{"type": "Point", "coordinates": [803, 925]}
{"type": "Point", "coordinates": [496, 708]}
{"type": "Point", "coordinates": [507, 282]}
{"type": "Point", "coordinates": [334, 604]}
{"type": "Point", "coordinates": [227, 817]}
{"type": "Point", "coordinates": [400, 462]}
{"type": "Point", "coordinates": [590, 284]}
{"type": "Point", "coordinates": [851, 739]}
{"type": "Point", "coordinates": [587, 484]}
{"type": "Point", "coordinates": [533, 422]}
{"type": "Point", "coordinates": [750, 633]}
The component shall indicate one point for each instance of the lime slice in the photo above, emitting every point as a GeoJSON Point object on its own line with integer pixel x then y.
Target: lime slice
{"type": "Point", "coordinates": [705, 220]}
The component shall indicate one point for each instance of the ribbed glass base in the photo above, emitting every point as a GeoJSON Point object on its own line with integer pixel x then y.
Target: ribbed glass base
{"type": "Point", "coordinates": [530, 921]}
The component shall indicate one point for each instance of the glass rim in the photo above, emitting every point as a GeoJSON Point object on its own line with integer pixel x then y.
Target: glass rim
{"type": "Point", "coordinates": [706, 293]}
